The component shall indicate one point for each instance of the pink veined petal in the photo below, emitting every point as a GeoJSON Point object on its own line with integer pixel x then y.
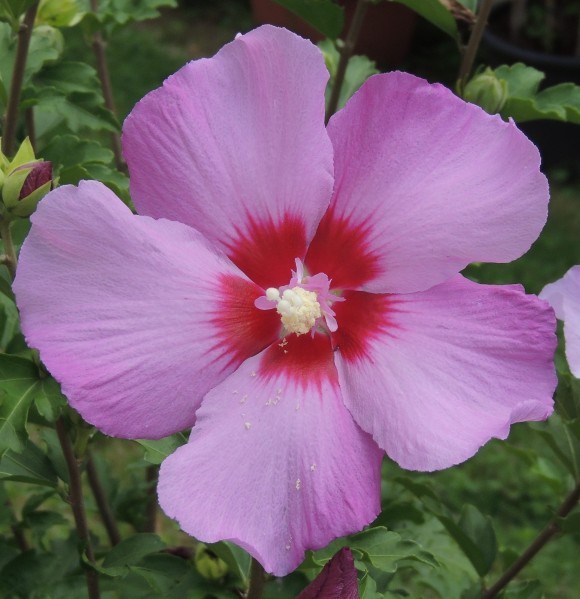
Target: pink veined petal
{"type": "Point", "coordinates": [564, 297]}
{"type": "Point", "coordinates": [136, 318]}
{"type": "Point", "coordinates": [236, 147]}
{"type": "Point", "coordinates": [275, 462]}
{"type": "Point", "coordinates": [425, 184]}
{"type": "Point", "coordinates": [434, 375]}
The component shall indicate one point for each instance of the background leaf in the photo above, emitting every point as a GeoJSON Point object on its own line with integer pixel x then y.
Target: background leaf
{"type": "Point", "coordinates": [324, 15]}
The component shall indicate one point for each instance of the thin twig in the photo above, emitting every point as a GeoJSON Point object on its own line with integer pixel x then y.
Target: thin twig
{"type": "Point", "coordinates": [151, 473]}
{"type": "Point", "coordinates": [473, 44]}
{"type": "Point", "coordinates": [107, 88]}
{"type": "Point", "coordinates": [77, 505]}
{"type": "Point", "coordinates": [9, 258]}
{"type": "Point", "coordinates": [538, 543]}
{"type": "Point", "coordinates": [257, 580]}
{"type": "Point", "coordinates": [102, 502]}
{"type": "Point", "coordinates": [11, 117]}
{"type": "Point", "coordinates": [345, 54]}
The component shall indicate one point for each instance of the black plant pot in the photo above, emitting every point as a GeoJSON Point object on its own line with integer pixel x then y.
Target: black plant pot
{"type": "Point", "coordinates": [559, 143]}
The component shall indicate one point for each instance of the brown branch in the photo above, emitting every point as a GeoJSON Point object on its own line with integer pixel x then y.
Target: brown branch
{"type": "Point", "coordinates": [345, 54]}
{"type": "Point", "coordinates": [99, 50]}
{"type": "Point", "coordinates": [102, 503]}
{"type": "Point", "coordinates": [473, 44]}
{"type": "Point", "coordinates": [11, 117]}
{"type": "Point", "coordinates": [78, 508]}
{"type": "Point", "coordinates": [538, 543]}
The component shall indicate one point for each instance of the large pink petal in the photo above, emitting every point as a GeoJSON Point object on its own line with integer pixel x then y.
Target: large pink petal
{"type": "Point", "coordinates": [136, 318]}
{"type": "Point", "coordinates": [275, 462]}
{"type": "Point", "coordinates": [434, 375]}
{"type": "Point", "coordinates": [425, 184]}
{"type": "Point", "coordinates": [235, 146]}
{"type": "Point", "coordinates": [564, 297]}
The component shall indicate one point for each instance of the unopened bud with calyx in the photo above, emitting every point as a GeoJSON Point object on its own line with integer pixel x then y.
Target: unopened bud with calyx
{"type": "Point", "coordinates": [24, 181]}
{"type": "Point", "coordinates": [487, 90]}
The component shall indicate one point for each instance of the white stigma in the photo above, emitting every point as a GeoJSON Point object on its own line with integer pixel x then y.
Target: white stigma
{"type": "Point", "coordinates": [298, 308]}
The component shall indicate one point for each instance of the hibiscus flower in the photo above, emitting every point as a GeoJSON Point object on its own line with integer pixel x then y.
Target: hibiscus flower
{"type": "Point", "coordinates": [564, 296]}
{"type": "Point", "coordinates": [292, 293]}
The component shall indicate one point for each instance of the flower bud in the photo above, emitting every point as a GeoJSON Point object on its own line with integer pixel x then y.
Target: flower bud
{"type": "Point", "coordinates": [487, 90]}
{"type": "Point", "coordinates": [208, 564]}
{"type": "Point", "coordinates": [24, 182]}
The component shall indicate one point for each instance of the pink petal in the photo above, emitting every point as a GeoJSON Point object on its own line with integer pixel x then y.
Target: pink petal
{"type": "Point", "coordinates": [136, 318]}
{"type": "Point", "coordinates": [434, 375]}
{"type": "Point", "coordinates": [337, 580]}
{"type": "Point", "coordinates": [425, 184]}
{"type": "Point", "coordinates": [235, 146]}
{"type": "Point", "coordinates": [564, 297]}
{"type": "Point", "coordinates": [275, 462]}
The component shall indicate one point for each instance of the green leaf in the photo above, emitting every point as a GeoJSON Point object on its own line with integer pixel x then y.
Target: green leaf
{"type": "Point", "coordinates": [570, 524]}
{"type": "Point", "coordinates": [30, 465]}
{"type": "Point", "coordinates": [526, 589]}
{"type": "Point", "coordinates": [42, 574]}
{"type": "Point", "coordinates": [479, 529]}
{"type": "Point", "coordinates": [378, 547]}
{"type": "Point", "coordinates": [162, 571]}
{"type": "Point", "coordinates": [368, 587]}
{"type": "Point", "coordinates": [130, 551]}
{"type": "Point", "coordinates": [12, 10]}
{"type": "Point", "coordinates": [455, 573]}
{"type": "Point", "coordinates": [9, 321]}
{"type": "Point", "coordinates": [525, 102]}
{"type": "Point", "coordinates": [76, 111]}
{"type": "Point", "coordinates": [358, 70]}
{"type": "Point", "coordinates": [49, 400]}
{"type": "Point", "coordinates": [237, 559]}
{"type": "Point", "coordinates": [562, 440]}
{"type": "Point", "coordinates": [157, 451]}
{"type": "Point", "coordinates": [59, 13]}
{"type": "Point", "coordinates": [68, 77]}
{"type": "Point", "coordinates": [434, 12]}
{"type": "Point", "coordinates": [115, 180]}
{"type": "Point", "coordinates": [473, 533]}
{"type": "Point", "coordinates": [324, 15]}
{"type": "Point", "coordinates": [69, 150]}
{"type": "Point", "coordinates": [112, 178]}
{"type": "Point", "coordinates": [20, 385]}
{"type": "Point", "coordinates": [113, 14]}
{"type": "Point", "coordinates": [46, 45]}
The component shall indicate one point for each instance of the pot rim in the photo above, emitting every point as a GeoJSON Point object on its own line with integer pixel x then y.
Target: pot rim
{"type": "Point", "coordinates": [543, 59]}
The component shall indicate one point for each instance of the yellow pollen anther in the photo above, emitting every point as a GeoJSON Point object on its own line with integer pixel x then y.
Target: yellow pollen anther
{"type": "Point", "coordinates": [298, 308]}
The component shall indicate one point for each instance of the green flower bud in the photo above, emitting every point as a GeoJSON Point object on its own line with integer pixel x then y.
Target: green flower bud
{"type": "Point", "coordinates": [24, 181]}
{"type": "Point", "coordinates": [208, 564]}
{"type": "Point", "coordinates": [487, 90]}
